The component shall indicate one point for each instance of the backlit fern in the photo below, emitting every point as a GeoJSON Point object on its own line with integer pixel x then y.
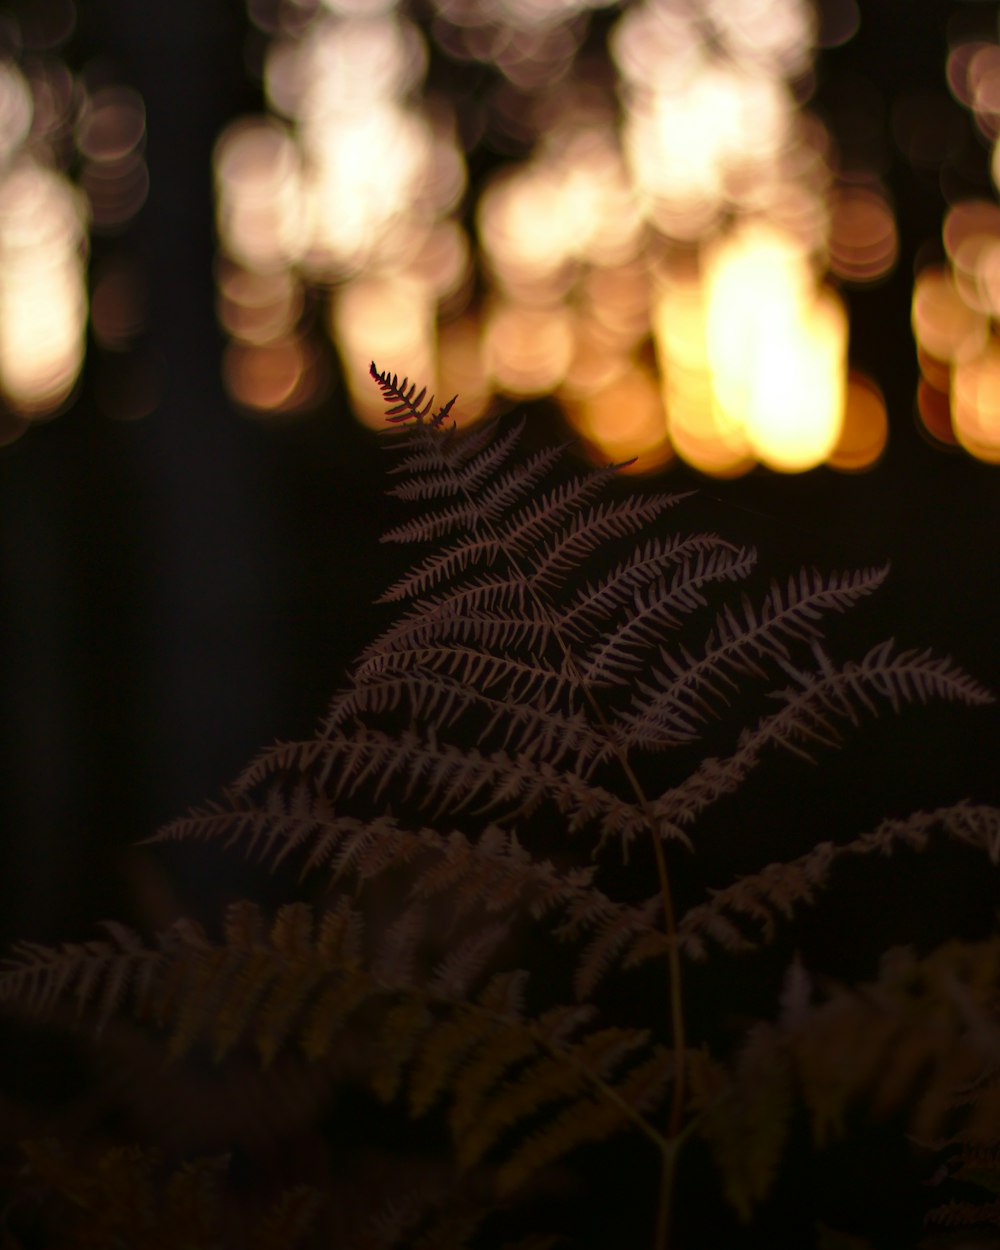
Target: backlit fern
{"type": "Point", "coordinates": [494, 789]}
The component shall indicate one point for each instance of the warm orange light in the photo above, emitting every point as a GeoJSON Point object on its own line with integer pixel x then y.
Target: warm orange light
{"type": "Point", "coordinates": [389, 318]}
{"type": "Point", "coordinates": [776, 348]}
{"type": "Point", "coordinates": [624, 419]}
{"type": "Point", "coordinates": [865, 428]}
{"type": "Point", "coordinates": [943, 323]}
{"type": "Point", "coordinates": [975, 404]}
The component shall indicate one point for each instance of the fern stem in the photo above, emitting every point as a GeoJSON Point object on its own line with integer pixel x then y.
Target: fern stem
{"type": "Point", "coordinates": [668, 1174]}
{"type": "Point", "coordinates": [672, 1142]}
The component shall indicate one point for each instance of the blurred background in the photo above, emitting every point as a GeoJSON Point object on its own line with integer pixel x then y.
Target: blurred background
{"type": "Point", "coordinates": [754, 244]}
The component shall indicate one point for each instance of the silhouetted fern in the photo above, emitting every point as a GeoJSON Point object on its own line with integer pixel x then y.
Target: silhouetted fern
{"type": "Point", "coordinates": [493, 786]}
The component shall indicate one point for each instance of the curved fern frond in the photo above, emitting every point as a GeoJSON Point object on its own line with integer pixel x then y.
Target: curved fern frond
{"type": "Point", "coordinates": [660, 608]}
{"type": "Point", "coordinates": [688, 691]}
{"type": "Point", "coordinates": [812, 712]}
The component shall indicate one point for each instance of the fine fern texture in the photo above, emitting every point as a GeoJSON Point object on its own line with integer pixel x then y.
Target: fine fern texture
{"type": "Point", "coordinates": [486, 827]}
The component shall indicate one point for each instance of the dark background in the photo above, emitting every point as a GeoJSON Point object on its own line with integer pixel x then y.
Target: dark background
{"type": "Point", "coordinates": [178, 591]}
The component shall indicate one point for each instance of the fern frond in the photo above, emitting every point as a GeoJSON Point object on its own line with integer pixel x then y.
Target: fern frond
{"type": "Point", "coordinates": [778, 889]}
{"type": "Point", "coordinates": [405, 402]}
{"type": "Point", "coordinates": [686, 692]}
{"type": "Point", "coordinates": [589, 530]}
{"type": "Point", "coordinates": [810, 714]}
{"type": "Point", "coordinates": [595, 603]}
{"type": "Point", "coordinates": [449, 779]}
{"type": "Point", "coordinates": [747, 1123]}
{"type": "Point", "coordinates": [659, 608]}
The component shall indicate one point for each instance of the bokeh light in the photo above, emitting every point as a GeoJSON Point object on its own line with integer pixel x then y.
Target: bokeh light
{"type": "Point", "coordinates": [71, 168]}
{"type": "Point", "coordinates": [660, 207]}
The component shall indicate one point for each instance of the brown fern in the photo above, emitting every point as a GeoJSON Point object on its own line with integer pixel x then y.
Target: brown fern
{"type": "Point", "coordinates": [494, 780]}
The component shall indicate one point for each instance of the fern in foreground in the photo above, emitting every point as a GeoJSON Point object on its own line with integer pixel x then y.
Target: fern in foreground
{"type": "Point", "coordinates": [495, 787]}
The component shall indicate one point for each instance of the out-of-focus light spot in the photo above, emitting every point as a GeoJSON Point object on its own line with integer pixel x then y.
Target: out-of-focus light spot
{"type": "Point", "coordinates": [702, 434]}
{"type": "Point", "coordinates": [461, 370]}
{"type": "Point", "coordinates": [266, 377]}
{"type": "Point", "coordinates": [957, 69]}
{"type": "Point", "coordinates": [350, 64]}
{"type": "Point", "coordinates": [116, 190]}
{"type": "Point", "coordinates": [863, 243]}
{"type": "Point", "coordinates": [983, 84]}
{"type": "Point", "coordinates": [623, 420]}
{"type": "Point", "coordinates": [937, 372]}
{"type": "Point", "coordinates": [256, 307]}
{"type": "Point", "coordinates": [440, 260]}
{"type": "Point", "coordinates": [53, 92]}
{"type": "Point", "coordinates": [689, 138]}
{"type": "Point", "coordinates": [617, 303]}
{"type": "Point", "coordinates": [975, 404]}
{"type": "Point", "coordinates": [969, 219]}
{"type": "Point", "coordinates": [838, 23]}
{"type": "Point", "coordinates": [117, 304]}
{"type": "Point", "coordinates": [109, 136]}
{"type": "Point", "coordinates": [352, 196]}
{"type": "Point", "coordinates": [865, 428]}
{"type": "Point", "coordinates": [943, 323]}
{"type": "Point", "coordinates": [777, 34]}
{"type": "Point", "coordinates": [539, 221]}
{"type": "Point", "coordinates": [934, 410]}
{"type": "Point", "coordinates": [359, 8]}
{"type": "Point", "coordinates": [526, 350]}
{"type": "Point", "coordinates": [754, 359]}
{"type": "Point", "coordinates": [259, 201]}
{"type": "Point", "coordinates": [16, 110]}
{"type": "Point", "coordinates": [43, 307]}
{"type": "Point", "coordinates": [111, 125]}
{"type": "Point", "coordinates": [927, 127]}
{"type": "Point", "coordinates": [388, 318]}
{"type": "Point", "coordinates": [796, 401]}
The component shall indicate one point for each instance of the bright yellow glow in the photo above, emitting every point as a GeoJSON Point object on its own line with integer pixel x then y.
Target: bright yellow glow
{"type": "Point", "coordinates": [758, 283]}
{"type": "Point", "coordinates": [43, 306]}
{"type": "Point", "coordinates": [389, 318]}
{"type": "Point", "coordinates": [795, 406]}
{"type": "Point", "coordinates": [943, 323]}
{"type": "Point", "coordinates": [975, 404]}
{"type": "Point", "coordinates": [702, 434]}
{"type": "Point", "coordinates": [754, 358]}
